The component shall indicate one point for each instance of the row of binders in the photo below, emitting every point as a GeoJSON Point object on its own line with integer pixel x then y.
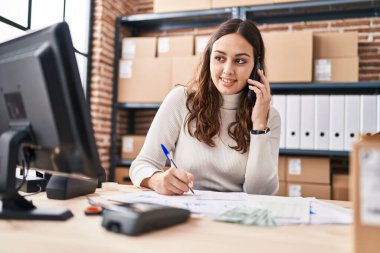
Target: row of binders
{"type": "Point", "coordinates": [326, 122]}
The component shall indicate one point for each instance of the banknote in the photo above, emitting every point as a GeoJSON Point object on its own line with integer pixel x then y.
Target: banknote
{"type": "Point", "coordinates": [248, 216]}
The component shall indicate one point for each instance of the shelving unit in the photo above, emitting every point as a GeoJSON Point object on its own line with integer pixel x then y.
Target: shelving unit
{"type": "Point", "coordinates": [273, 13]}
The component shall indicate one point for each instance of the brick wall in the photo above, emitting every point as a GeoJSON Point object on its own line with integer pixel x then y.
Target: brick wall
{"type": "Point", "coordinates": [103, 52]}
{"type": "Point", "coordinates": [105, 14]}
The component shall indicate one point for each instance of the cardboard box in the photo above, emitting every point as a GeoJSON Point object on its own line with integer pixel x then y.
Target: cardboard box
{"type": "Point", "coordinates": [201, 42]}
{"type": "Point", "coordinates": [184, 69]}
{"type": "Point", "coordinates": [364, 166]}
{"type": "Point", "coordinates": [340, 187]}
{"type": "Point", "coordinates": [180, 5]}
{"type": "Point", "coordinates": [144, 80]}
{"type": "Point", "coordinates": [282, 168]}
{"type": "Point", "coordinates": [308, 170]}
{"type": "Point", "coordinates": [138, 47]}
{"type": "Point", "coordinates": [122, 175]}
{"type": "Point", "coordinates": [336, 69]}
{"type": "Point", "coordinates": [175, 46]}
{"type": "Point", "coordinates": [282, 189]}
{"type": "Point", "coordinates": [131, 146]}
{"type": "Point", "coordinates": [228, 3]}
{"type": "Point", "coordinates": [320, 191]}
{"type": "Point", "coordinates": [335, 44]}
{"type": "Point", "coordinates": [289, 56]}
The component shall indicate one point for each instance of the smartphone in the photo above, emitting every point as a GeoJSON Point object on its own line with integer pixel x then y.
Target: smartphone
{"type": "Point", "coordinates": [254, 76]}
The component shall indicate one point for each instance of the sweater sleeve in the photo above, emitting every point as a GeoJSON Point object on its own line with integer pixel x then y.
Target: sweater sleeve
{"type": "Point", "coordinates": [164, 129]}
{"type": "Point", "coordinates": [261, 176]}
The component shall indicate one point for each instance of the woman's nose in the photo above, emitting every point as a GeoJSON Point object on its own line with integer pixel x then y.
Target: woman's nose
{"type": "Point", "coordinates": [228, 68]}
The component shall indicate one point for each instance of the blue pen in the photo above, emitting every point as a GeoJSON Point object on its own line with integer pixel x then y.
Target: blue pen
{"type": "Point", "coordinates": [167, 154]}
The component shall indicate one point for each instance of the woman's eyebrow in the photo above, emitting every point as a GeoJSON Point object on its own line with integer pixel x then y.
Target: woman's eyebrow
{"type": "Point", "coordinates": [218, 51]}
{"type": "Point", "coordinates": [240, 54]}
{"type": "Point", "coordinates": [243, 54]}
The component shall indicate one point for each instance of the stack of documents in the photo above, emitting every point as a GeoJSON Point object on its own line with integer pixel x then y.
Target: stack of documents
{"type": "Point", "coordinates": [202, 202]}
{"type": "Point", "coordinates": [283, 210]}
{"type": "Point", "coordinates": [322, 212]}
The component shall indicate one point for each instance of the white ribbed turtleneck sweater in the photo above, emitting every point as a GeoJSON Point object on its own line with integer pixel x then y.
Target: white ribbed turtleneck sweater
{"type": "Point", "coordinates": [218, 168]}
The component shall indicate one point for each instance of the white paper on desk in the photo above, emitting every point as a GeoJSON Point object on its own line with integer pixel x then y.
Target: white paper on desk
{"type": "Point", "coordinates": [286, 210]}
{"type": "Point", "coordinates": [326, 213]}
{"type": "Point", "coordinates": [202, 202]}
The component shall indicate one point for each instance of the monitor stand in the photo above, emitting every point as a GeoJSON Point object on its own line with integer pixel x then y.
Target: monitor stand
{"type": "Point", "coordinates": [15, 206]}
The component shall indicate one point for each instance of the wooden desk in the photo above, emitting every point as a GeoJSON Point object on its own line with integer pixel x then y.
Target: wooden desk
{"type": "Point", "coordinates": [85, 234]}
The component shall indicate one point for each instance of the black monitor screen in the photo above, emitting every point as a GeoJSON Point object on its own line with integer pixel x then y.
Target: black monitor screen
{"type": "Point", "coordinates": [41, 96]}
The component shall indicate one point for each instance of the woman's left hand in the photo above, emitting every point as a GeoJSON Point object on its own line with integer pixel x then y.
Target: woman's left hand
{"type": "Point", "coordinates": [263, 97]}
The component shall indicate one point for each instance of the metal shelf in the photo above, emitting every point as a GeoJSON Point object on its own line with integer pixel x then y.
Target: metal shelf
{"type": "Point", "coordinates": [314, 153]}
{"type": "Point", "coordinates": [311, 11]}
{"type": "Point", "coordinates": [178, 20]}
{"type": "Point", "coordinates": [362, 88]}
{"type": "Point", "coordinates": [123, 162]}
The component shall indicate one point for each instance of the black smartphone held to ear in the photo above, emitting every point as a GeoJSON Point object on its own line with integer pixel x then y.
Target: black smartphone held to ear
{"type": "Point", "coordinates": [254, 76]}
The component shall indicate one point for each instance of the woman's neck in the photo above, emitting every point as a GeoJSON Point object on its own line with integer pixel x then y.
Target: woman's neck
{"type": "Point", "coordinates": [231, 102]}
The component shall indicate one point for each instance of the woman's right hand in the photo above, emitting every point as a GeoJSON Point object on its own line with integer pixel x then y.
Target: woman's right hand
{"type": "Point", "coordinates": [174, 181]}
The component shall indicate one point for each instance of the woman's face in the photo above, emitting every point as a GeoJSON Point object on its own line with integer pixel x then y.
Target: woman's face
{"type": "Point", "coordinates": [231, 63]}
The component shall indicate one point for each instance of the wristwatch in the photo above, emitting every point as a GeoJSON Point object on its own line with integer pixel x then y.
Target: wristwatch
{"type": "Point", "coordinates": [256, 132]}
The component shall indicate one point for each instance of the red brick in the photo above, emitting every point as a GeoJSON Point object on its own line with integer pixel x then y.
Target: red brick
{"type": "Point", "coordinates": [366, 50]}
{"type": "Point", "coordinates": [274, 29]}
{"type": "Point", "coordinates": [369, 44]}
{"type": "Point", "coordinates": [370, 71]}
{"type": "Point", "coordinates": [373, 64]}
{"type": "Point", "coordinates": [369, 56]}
{"type": "Point", "coordinates": [369, 78]}
{"type": "Point", "coordinates": [376, 22]}
{"type": "Point", "coordinates": [350, 23]}
{"type": "Point", "coordinates": [308, 26]}
{"type": "Point", "coordinates": [368, 30]}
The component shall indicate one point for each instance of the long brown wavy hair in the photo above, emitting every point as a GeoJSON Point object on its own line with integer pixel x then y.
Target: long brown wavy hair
{"type": "Point", "coordinates": [204, 100]}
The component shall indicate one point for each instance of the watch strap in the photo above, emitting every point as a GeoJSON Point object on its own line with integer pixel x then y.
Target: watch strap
{"type": "Point", "coordinates": [256, 132]}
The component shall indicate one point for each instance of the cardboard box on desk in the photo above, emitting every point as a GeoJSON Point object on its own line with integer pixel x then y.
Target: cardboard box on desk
{"type": "Point", "coordinates": [184, 69]}
{"type": "Point", "coordinates": [180, 5]}
{"type": "Point", "coordinates": [289, 56]}
{"type": "Point", "coordinates": [365, 169]}
{"type": "Point", "coordinates": [144, 80]}
{"type": "Point", "coordinates": [308, 170]}
{"type": "Point", "coordinates": [138, 47]}
{"type": "Point", "coordinates": [131, 146]}
{"type": "Point", "coordinates": [175, 46]}
{"type": "Point", "coordinates": [228, 3]}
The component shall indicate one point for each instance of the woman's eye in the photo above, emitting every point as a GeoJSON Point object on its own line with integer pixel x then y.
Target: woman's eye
{"type": "Point", "coordinates": [240, 61]}
{"type": "Point", "coordinates": [219, 58]}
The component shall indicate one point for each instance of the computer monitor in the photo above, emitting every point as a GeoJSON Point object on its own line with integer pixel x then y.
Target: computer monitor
{"type": "Point", "coordinates": [45, 120]}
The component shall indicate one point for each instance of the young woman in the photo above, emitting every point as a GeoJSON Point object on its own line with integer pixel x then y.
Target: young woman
{"type": "Point", "coordinates": [220, 140]}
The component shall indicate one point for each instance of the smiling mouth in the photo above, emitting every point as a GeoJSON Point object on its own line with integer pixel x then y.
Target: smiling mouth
{"type": "Point", "coordinates": [227, 81]}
